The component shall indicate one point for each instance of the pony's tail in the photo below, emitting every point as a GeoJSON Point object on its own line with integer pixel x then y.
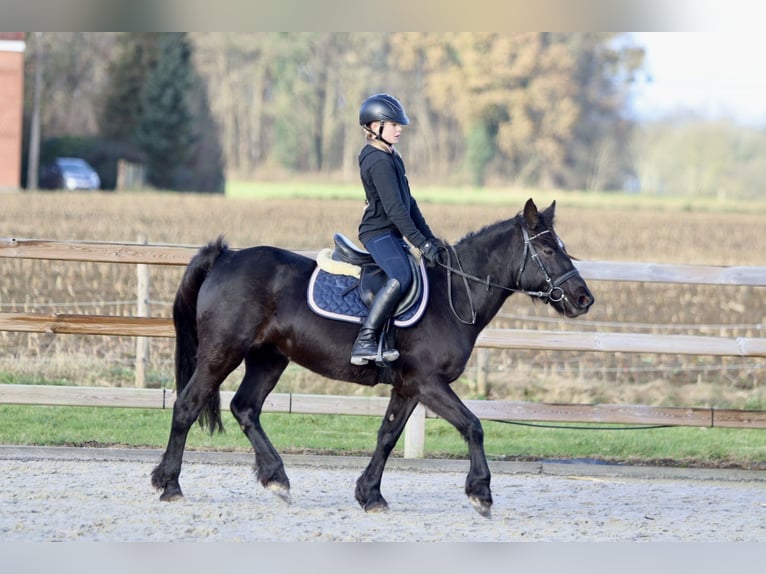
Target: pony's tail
{"type": "Point", "coordinates": [185, 321]}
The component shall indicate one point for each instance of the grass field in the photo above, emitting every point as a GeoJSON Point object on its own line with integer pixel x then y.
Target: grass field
{"type": "Point", "coordinates": [594, 227]}
{"type": "Point", "coordinates": [498, 197]}
{"type": "Point", "coordinates": [355, 435]}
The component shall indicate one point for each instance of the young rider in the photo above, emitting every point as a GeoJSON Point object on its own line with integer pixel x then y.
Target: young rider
{"type": "Point", "coordinates": [391, 214]}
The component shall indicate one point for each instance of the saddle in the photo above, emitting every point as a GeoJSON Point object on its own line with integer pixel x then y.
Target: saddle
{"type": "Point", "coordinates": [346, 279]}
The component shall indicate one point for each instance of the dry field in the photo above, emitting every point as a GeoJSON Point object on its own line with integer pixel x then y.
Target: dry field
{"type": "Point", "coordinates": [591, 234]}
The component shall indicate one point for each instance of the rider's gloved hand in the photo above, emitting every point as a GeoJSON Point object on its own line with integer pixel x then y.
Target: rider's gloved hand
{"type": "Point", "coordinates": [433, 250]}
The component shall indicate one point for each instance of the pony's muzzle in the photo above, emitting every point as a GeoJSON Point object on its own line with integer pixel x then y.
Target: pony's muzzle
{"type": "Point", "coordinates": [583, 301]}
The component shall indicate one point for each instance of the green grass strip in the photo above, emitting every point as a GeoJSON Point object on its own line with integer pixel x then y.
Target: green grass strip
{"type": "Point", "coordinates": [356, 435]}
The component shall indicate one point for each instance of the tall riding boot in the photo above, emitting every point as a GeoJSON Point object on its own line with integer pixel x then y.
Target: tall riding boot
{"type": "Point", "coordinates": [366, 345]}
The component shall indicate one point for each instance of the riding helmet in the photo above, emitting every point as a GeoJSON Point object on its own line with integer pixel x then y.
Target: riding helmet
{"type": "Point", "coordinates": [382, 108]}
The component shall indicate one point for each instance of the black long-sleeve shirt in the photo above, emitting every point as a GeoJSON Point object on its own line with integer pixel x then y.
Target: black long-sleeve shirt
{"type": "Point", "coordinates": [390, 205]}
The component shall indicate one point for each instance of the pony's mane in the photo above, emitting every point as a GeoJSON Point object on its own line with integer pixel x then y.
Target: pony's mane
{"type": "Point", "coordinates": [492, 229]}
{"type": "Point", "coordinates": [504, 226]}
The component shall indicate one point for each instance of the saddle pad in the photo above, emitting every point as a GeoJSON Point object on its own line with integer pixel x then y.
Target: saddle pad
{"type": "Point", "coordinates": [337, 297]}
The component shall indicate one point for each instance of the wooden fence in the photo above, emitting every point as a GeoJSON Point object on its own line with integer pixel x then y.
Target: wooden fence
{"type": "Point", "coordinates": [144, 254]}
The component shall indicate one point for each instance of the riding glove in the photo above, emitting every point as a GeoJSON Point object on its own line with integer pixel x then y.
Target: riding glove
{"type": "Point", "coordinates": [431, 250]}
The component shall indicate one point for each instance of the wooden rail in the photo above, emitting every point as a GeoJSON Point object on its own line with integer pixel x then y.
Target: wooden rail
{"type": "Point", "coordinates": [180, 255]}
{"type": "Point", "coordinates": [96, 251]}
{"type": "Point", "coordinates": [622, 342]}
{"type": "Point", "coordinates": [376, 406]}
{"type": "Point", "coordinates": [490, 338]}
{"type": "Point", "coordinates": [69, 324]}
{"type": "Point", "coordinates": [101, 252]}
{"type": "Point", "coordinates": [671, 273]}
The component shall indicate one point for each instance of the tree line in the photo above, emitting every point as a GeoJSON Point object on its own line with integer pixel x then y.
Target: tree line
{"type": "Point", "coordinates": [546, 110]}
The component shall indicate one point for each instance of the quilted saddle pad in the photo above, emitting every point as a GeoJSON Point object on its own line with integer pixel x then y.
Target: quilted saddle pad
{"type": "Point", "coordinates": [336, 296]}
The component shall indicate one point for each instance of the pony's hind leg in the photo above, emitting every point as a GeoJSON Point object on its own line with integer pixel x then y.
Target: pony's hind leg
{"type": "Point", "coordinates": [263, 367]}
{"type": "Point", "coordinates": [191, 401]}
{"type": "Point", "coordinates": [186, 409]}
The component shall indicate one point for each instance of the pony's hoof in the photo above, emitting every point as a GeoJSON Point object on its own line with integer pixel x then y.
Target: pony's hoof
{"type": "Point", "coordinates": [376, 507]}
{"type": "Point", "coordinates": [171, 496]}
{"type": "Point", "coordinates": [280, 490]}
{"type": "Point", "coordinates": [481, 506]}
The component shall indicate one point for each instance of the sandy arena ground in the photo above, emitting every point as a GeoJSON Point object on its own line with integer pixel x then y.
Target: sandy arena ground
{"type": "Point", "coordinates": [63, 494]}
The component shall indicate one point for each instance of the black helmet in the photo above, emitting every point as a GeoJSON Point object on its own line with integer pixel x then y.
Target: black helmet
{"type": "Point", "coordinates": [382, 108]}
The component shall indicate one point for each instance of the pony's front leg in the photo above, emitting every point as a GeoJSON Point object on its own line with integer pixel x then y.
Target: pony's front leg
{"type": "Point", "coordinates": [368, 485]}
{"type": "Point", "coordinates": [442, 400]}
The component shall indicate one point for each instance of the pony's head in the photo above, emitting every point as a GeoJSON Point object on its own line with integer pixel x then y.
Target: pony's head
{"type": "Point", "coordinates": [546, 269]}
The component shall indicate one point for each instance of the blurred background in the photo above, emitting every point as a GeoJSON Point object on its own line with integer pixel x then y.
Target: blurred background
{"type": "Point", "coordinates": [672, 113]}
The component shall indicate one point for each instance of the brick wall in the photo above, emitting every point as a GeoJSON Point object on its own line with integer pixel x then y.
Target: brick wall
{"type": "Point", "coordinates": [11, 107]}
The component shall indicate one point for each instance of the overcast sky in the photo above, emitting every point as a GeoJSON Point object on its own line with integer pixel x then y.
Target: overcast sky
{"type": "Point", "coordinates": [717, 74]}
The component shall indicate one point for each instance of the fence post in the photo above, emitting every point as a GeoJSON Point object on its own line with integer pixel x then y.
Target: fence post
{"type": "Point", "coordinates": [142, 343]}
{"type": "Point", "coordinates": [130, 175]}
{"type": "Point", "coordinates": [415, 433]}
{"type": "Point", "coordinates": [482, 370]}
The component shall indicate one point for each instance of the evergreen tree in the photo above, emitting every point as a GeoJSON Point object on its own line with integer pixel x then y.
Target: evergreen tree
{"type": "Point", "coordinates": [204, 170]}
{"type": "Point", "coordinates": [165, 130]}
{"type": "Point", "coordinates": [121, 109]}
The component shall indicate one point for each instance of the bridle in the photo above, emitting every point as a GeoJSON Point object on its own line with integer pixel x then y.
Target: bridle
{"type": "Point", "coordinates": [554, 286]}
{"type": "Point", "coordinates": [554, 293]}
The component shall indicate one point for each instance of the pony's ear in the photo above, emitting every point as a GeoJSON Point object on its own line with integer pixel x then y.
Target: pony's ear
{"type": "Point", "coordinates": [548, 214]}
{"type": "Point", "coordinates": [530, 214]}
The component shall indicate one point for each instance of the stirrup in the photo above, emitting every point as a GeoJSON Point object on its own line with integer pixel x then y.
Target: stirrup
{"type": "Point", "coordinates": [381, 356]}
{"type": "Point", "coordinates": [360, 360]}
{"type": "Point", "coordinates": [385, 359]}
{"type": "Point", "coordinates": [385, 355]}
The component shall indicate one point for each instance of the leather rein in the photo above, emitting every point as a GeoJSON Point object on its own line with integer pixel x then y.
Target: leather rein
{"type": "Point", "coordinates": [554, 293]}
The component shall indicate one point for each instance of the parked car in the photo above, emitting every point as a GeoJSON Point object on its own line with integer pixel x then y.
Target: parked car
{"type": "Point", "coordinates": [69, 173]}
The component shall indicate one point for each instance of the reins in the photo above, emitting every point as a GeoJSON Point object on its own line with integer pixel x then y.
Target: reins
{"type": "Point", "coordinates": [554, 293]}
{"type": "Point", "coordinates": [465, 276]}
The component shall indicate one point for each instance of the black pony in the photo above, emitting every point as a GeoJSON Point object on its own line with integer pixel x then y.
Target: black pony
{"type": "Point", "coordinates": [250, 304]}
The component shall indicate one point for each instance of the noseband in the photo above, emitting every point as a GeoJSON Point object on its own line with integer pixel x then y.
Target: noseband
{"type": "Point", "coordinates": [554, 293]}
